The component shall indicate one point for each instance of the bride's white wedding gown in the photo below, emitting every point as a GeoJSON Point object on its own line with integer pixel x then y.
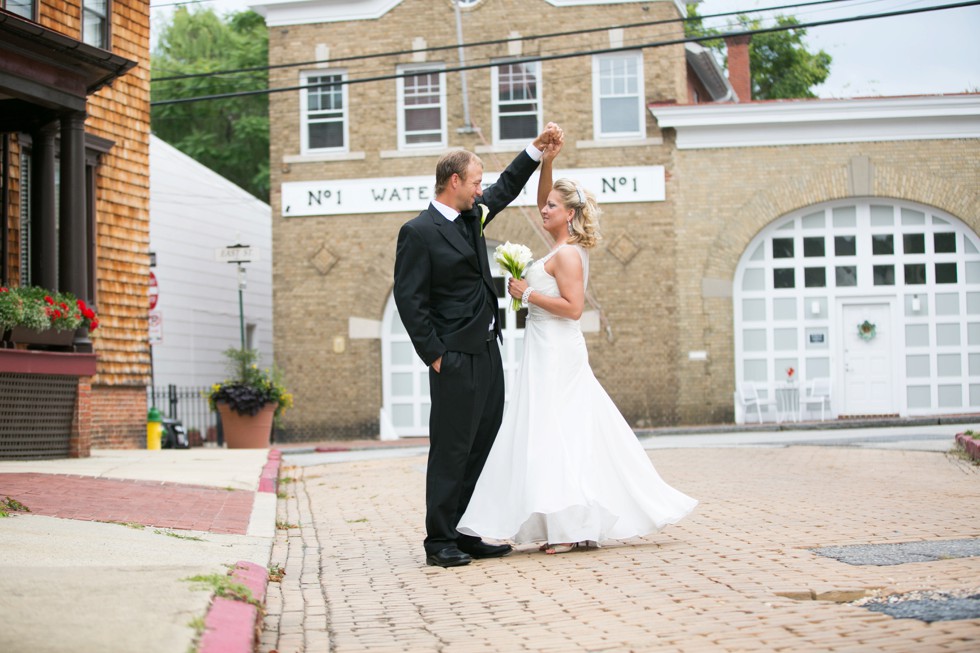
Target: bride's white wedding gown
{"type": "Point", "coordinates": [566, 466]}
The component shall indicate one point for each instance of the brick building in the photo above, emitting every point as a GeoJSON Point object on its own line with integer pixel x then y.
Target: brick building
{"type": "Point", "coordinates": [74, 119]}
{"type": "Point", "coordinates": [702, 191]}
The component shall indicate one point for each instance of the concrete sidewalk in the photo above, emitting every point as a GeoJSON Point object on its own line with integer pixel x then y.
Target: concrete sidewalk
{"type": "Point", "coordinates": [101, 561]}
{"type": "Point", "coordinates": [740, 574]}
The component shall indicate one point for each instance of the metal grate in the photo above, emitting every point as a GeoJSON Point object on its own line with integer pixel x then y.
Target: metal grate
{"type": "Point", "coordinates": [35, 415]}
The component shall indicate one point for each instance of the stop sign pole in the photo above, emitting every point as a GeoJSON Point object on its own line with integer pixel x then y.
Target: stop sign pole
{"type": "Point", "coordinates": [238, 254]}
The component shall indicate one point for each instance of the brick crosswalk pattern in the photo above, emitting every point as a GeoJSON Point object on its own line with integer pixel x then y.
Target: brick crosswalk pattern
{"type": "Point", "coordinates": [737, 575]}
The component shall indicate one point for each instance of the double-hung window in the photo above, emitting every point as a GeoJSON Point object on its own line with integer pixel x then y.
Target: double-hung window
{"type": "Point", "coordinates": [421, 107]}
{"type": "Point", "coordinates": [617, 95]}
{"type": "Point", "coordinates": [324, 111]}
{"type": "Point", "coordinates": [95, 23]}
{"type": "Point", "coordinates": [516, 101]}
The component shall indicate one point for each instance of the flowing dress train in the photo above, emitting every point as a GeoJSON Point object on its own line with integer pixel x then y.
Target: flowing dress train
{"type": "Point", "coordinates": [566, 466]}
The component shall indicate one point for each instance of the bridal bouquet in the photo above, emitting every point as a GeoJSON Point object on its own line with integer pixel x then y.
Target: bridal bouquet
{"type": "Point", "coordinates": [514, 258]}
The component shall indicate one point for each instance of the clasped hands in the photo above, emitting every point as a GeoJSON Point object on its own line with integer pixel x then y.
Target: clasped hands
{"type": "Point", "coordinates": [550, 140]}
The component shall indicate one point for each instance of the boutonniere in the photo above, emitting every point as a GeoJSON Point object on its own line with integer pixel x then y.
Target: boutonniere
{"type": "Point", "coordinates": [484, 212]}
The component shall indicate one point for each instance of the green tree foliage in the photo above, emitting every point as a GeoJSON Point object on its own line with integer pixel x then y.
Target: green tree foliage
{"type": "Point", "coordinates": [230, 135]}
{"type": "Point", "coordinates": [782, 67]}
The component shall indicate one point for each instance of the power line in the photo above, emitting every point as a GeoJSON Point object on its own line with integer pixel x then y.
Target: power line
{"type": "Point", "coordinates": [533, 37]}
{"type": "Point", "coordinates": [180, 4]}
{"type": "Point", "coordinates": [571, 55]}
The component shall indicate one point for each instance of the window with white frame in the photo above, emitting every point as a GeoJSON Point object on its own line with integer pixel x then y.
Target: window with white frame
{"type": "Point", "coordinates": [324, 111]}
{"type": "Point", "coordinates": [95, 23]}
{"type": "Point", "coordinates": [421, 107]}
{"type": "Point", "coordinates": [516, 101]}
{"type": "Point", "coordinates": [617, 95]}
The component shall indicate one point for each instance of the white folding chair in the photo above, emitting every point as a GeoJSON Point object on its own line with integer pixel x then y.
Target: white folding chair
{"type": "Point", "coordinates": [748, 397]}
{"type": "Point", "coordinates": [818, 392]}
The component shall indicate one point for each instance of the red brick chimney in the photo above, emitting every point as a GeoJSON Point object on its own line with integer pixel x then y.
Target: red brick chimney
{"type": "Point", "coordinates": [739, 75]}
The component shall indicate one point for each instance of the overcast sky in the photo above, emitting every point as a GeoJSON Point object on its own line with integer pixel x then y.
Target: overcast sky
{"type": "Point", "coordinates": [926, 53]}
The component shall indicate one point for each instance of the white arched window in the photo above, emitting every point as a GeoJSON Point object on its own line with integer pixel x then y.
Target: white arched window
{"type": "Point", "coordinates": [880, 297]}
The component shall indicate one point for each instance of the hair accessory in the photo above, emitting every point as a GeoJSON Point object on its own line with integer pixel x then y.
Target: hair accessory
{"type": "Point", "coordinates": [581, 195]}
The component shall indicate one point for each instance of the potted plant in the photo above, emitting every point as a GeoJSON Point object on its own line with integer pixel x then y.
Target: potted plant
{"type": "Point", "coordinates": [31, 316]}
{"type": "Point", "coordinates": [249, 400]}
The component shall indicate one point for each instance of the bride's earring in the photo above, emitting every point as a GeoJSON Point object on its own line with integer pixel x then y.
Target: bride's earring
{"type": "Point", "coordinates": [569, 223]}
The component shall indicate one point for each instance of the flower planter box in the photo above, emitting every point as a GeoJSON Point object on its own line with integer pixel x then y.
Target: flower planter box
{"type": "Point", "coordinates": [970, 445]}
{"type": "Point", "coordinates": [247, 431]}
{"type": "Point", "coordinates": [20, 337]}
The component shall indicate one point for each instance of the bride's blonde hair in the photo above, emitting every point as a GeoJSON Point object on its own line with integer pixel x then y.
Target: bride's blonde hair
{"type": "Point", "coordinates": [584, 228]}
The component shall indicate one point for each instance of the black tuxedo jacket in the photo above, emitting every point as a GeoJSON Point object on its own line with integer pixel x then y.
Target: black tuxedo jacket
{"type": "Point", "coordinates": [443, 286]}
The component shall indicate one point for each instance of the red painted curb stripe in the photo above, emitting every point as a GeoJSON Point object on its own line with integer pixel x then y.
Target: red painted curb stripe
{"type": "Point", "coordinates": [231, 626]}
{"type": "Point", "coordinates": [270, 473]}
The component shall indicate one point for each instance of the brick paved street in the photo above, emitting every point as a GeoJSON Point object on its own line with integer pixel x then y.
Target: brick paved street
{"type": "Point", "coordinates": [734, 576]}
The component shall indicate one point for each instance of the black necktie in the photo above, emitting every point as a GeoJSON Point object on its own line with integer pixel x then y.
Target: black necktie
{"type": "Point", "coordinates": [463, 229]}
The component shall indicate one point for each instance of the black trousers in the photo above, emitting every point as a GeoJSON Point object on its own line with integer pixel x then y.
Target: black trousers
{"type": "Point", "coordinates": [467, 408]}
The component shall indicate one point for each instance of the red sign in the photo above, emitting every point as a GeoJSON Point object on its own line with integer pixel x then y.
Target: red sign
{"type": "Point", "coordinates": [154, 291]}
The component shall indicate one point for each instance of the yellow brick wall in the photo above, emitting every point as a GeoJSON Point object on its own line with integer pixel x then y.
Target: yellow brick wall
{"type": "Point", "coordinates": [726, 196]}
{"type": "Point", "coordinates": [652, 304]}
{"type": "Point", "coordinates": [339, 394]}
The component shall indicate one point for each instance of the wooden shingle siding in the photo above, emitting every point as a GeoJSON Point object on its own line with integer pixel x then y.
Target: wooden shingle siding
{"type": "Point", "coordinates": [121, 113]}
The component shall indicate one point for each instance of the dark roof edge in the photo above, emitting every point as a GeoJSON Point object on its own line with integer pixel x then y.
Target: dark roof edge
{"type": "Point", "coordinates": [100, 67]}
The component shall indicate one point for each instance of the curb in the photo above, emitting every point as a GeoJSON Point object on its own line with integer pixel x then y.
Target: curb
{"type": "Point", "coordinates": [970, 445]}
{"type": "Point", "coordinates": [269, 478]}
{"type": "Point", "coordinates": [231, 626]}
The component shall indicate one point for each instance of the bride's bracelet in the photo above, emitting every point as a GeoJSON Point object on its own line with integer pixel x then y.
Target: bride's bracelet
{"type": "Point", "coordinates": [526, 295]}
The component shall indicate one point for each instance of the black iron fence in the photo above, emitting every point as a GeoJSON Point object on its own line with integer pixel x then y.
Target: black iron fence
{"type": "Point", "coordinates": [187, 404]}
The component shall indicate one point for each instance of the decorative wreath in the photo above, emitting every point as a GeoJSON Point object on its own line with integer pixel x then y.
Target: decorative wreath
{"type": "Point", "coordinates": [867, 330]}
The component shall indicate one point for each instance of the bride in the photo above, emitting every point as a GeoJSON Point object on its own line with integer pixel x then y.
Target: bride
{"type": "Point", "coordinates": [566, 468]}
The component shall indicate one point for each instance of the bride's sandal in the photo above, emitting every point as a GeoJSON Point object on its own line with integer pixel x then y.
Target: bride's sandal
{"type": "Point", "coordinates": [552, 549]}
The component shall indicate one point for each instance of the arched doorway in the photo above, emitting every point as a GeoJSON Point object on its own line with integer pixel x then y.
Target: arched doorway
{"type": "Point", "coordinates": [880, 297]}
{"type": "Point", "coordinates": [405, 379]}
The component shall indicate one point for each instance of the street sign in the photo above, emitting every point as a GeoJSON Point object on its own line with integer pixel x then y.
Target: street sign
{"type": "Point", "coordinates": [154, 291]}
{"type": "Point", "coordinates": [156, 327]}
{"type": "Point", "coordinates": [236, 254]}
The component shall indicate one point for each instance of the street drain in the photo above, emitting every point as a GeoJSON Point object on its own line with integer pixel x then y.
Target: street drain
{"type": "Point", "coordinates": [901, 553]}
{"type": "Point", "coordinates": [927, 606]}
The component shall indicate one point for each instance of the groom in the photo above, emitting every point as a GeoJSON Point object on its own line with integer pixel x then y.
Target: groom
{"type": "Point", "coordinates": [446, 300]}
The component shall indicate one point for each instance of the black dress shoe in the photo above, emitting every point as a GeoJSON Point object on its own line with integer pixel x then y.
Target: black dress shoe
{"type": "Point", "coordinates": [448, 557]}
{"type": "Point", "coordinates": [479, 549]}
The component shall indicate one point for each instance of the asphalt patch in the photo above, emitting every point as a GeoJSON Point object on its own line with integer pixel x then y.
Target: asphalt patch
{"type": "Point", "coordinates": [927, 606]}
{"type": "Point", "coordinates": [901, 553]}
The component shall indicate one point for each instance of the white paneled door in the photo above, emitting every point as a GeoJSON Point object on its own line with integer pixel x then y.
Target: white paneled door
{"type": "Point", "coordinates": [868, 378]}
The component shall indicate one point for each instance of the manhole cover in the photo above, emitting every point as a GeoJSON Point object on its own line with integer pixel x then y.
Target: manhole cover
{"type": "Point", "coordinates": [901, 553]}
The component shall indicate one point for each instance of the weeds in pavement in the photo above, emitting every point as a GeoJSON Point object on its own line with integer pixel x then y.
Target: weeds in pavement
{"type": "Point", "coordinates": [276, 572]}
{"type": "Point", "coordinates": [222, 585]}
{"type": "Point", "coordinates": [9, 505]}
{"type": "Point", "coordinates": [960, 453]}
{"type": "Point", "coordinates": [285, 526]}
{"type": "Point", "coordinates": [178, 535]}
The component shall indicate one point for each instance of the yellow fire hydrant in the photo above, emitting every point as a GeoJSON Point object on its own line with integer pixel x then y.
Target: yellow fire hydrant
{"type": "Point", "coordinates": [154, 429]}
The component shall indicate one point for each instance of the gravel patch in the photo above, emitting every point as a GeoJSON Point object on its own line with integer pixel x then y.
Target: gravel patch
{"type": "Point", "coordinates": [901, 553]}
{"type": "Point", "coordinates": [927, 606]}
